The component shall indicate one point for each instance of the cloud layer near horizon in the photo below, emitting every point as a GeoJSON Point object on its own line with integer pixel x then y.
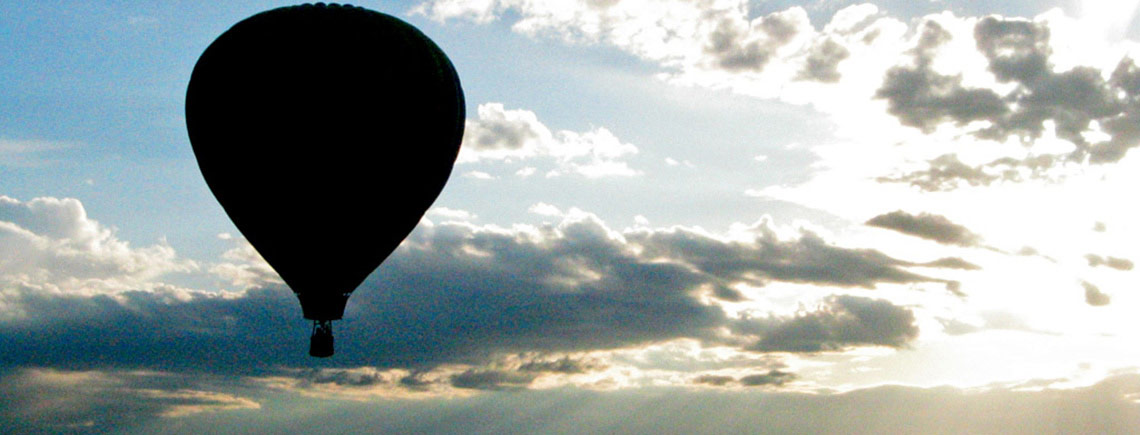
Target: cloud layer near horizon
{"type": "Point", "coordinates": [456, 292]}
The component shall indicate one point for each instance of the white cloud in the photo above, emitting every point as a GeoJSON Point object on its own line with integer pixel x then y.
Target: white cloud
{"type": "Point", "coordinates": [479, 175]}
{"type": "Point", "coordinates": [51, 242]}
{"type": "Point", "coordinates": [544, 209]}
{"type": "Point", "coordinates": [450, 213]}
{"type": "Point", "coordinates": [244, 267]}
{"type": "Point", "coordinates": [499, 134]}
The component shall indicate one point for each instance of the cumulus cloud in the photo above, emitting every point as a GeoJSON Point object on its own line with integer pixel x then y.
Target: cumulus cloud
{"type": "Point", "coordinates": [1018, 52]}
{"type": "Point", "coordinates": [244, 267]}
{"type": "Point", "coordinates": [927, 226]}
{"type": "Point", "coordinates": [51, 243]}
{"type": "Point", "coordinates": [994, 79]}
{"type": "Point", "coordinates": [1078, 105]}
{"type": "Point", "coordinates": [921, 97]}
{"type": "Point", "coordinates": [693, 40]}
{"type": "Point", "coordinates": [457, 292]}
{"type": "Point", "coordinates": [736, 44]}
{"type": "Point", "coordinates": [844, 321]}
{"type": "Point", "coordinates": [502, 134]}
{"type": "Point", "coordinates": [822, 63]}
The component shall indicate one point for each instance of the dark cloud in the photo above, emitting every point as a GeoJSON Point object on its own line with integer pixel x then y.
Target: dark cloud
{"type": "Point", "coordinates": [358, 377]}
{"type": "Point", "coordinates": [1018, 53]}
{"type": "Point", "coordinates": [456, 293]}
{"type": "Point", "coordinates": [1112, 262]}
{"type": "Point", "coordinates": [1093, 295]}
{"type": "Point", "coordinates": [716, 380]}
{"type": "Point", "coordinates": [927, 226]}
{"type": "Point", "coordinates": [565, 365]}
{"type": "Point", "coordinates": [735, 47]}
{"type": "Point", "coordinates": [822, 64]}
{"type": "Point", "coordinates": [947, 172]}
{"type": "Point", "coordinates": [767, 258]}
{"type": "Point", "coordinates": [773, 377]}
{"type": "Point", "coordinates": [953, 263]}
{"type": "Point", "coordinates": [489, 379]}
{"type": "Point", "coordinates": [1018, 50]}
{"type": "Point", "coordinates": [844, 321]}
{"type": "Point", "coordinates": [920, 97]}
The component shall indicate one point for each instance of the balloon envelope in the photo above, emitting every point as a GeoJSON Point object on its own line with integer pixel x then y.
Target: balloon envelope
{"type": "Point", "coordinates": [325, 132]}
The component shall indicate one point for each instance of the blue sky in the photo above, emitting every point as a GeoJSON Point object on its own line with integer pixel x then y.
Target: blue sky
{"type": "Point", "coordinates": [772, 209]}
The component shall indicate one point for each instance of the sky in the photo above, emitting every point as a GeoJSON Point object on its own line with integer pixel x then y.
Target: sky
{"type": "Point", "coordinates": [717, 216]}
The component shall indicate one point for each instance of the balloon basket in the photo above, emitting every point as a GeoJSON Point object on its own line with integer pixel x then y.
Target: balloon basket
{"type": "Point", "coordinates": [321, 344]}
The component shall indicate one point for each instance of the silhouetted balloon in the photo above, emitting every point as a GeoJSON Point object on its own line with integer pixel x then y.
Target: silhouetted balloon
{"type": "Point", "coordinates": [325, 131]}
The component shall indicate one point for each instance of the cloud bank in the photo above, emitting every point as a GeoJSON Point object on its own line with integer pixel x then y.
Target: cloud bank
{"type": "Point", "coordinates": [461, 293]}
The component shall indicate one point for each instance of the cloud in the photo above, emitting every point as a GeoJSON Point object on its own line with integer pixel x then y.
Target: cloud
{"type": "Point", "coordinates": [1078, 105]}
{"type": "Point", "coordinates": [506, 372]}
{"type": "Point", "coordinates": [515, 135]}
{"type": "Point", "coordinates": [994, 80]}
{"type": "Point", "coordinates": [1018, 52]}
{"type": "Point", "coordinates": [244, 267]}
{"type": "Point", "coordinates": [739, 45]}
{"type": "Point", "coordinates": [1112, 262]}
{"type": "Point", "coordinates": [485, 379]}
{"type": "Point", "coordinates": [927, 226]}
{"type": "Point", "coordinates": [843, 321]}
{"type": "Point", "coordinates": [51, 243]}
{"type": "Point", "coordinates": [716, 380]}
{"type": "Point", "coordinates": [923, 98]}
{"type": "Point", "coordinates": [822, 63]}
{"type": "Point", "coordinates": [695, 41]}
{"type": "Point", "coordinates": [459, 293]}
{"type": "Point", "coordinates": [808, 259]}
{"type": "Point", "coordinates": [1093, 296]}
{"type": "Point", "coordinates": [1108, 406]}
{"type": "Point", "coordinates": [947, 172]}
{"type": "Point", "coordinates": [46, 400]}
{"type": "Point", "coordinates": [953, 263]}
{"type": "Point", "coordinates": [771, 378]}
{"type": "Point", "coordinates": [565, 365]}
{"type": "Point", "coordinates": [991, 320]}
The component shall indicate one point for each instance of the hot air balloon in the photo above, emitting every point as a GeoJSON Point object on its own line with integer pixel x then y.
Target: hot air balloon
{"type": "Point", "coordinates": [325, 132]}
